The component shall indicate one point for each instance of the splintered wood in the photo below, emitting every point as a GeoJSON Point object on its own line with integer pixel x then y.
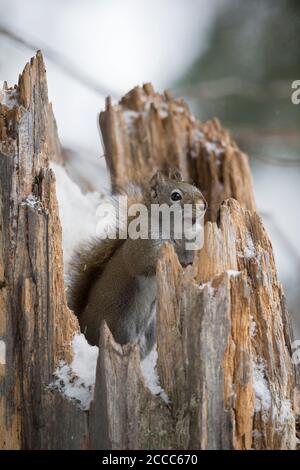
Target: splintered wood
{"type": "Point", "coordinates": [223, 339]}
{"type": "Point", "coordinates": [229, 369]}
{"type": "Point", "coordinates": [147, 131]}
{"type": "Point", "coordinates": [36, 325]}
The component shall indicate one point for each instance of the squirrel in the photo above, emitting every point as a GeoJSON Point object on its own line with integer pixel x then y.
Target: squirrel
{"type": "Point", "coordinates": [114, 279]}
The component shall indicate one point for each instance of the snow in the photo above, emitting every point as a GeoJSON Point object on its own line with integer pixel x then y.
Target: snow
{"type": "Point", "coordinates": [164, 113]}
{"type": "Point", "coordinates": [130, 115]}
{"type": "Point", "coordinates": [249, 251]}
{"type": "Point", "coordinates": [233, 273]}
{"type": "Point", "coordinates": [280, 410]}
{"type": "Point", "coordinates": [253, 327]}
{"type": "Point", "coordinates": [2, 352]}
{"type": "Point", "coordinates": [8, 97]}
{"type": "Point", "coordinates": [149, 371]}
{"type": "Point", "coordinates": [77, 212]}
{"type": "Point", "coordinates": [82, 214]}
{"type": "Point", "coordinates": [260, 386]}
{"type": "Point", "coordinates": [212, 147]}
{"type": "Point", "coordinates": [162, 108]}
{"type": "Point", "coordinates": [77, 380]}
{"type": "Point", "coordinates": [33, 202]}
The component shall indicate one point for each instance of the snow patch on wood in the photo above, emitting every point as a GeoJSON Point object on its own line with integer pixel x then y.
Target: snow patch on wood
{"type": "Point", "coordinates": [260, 387]}
{"type": "Point", "coordinates": [77, 380]}
{"type": "Point", "coordinates": [153, 102]}
{"type": "Point", "coordinates": [8, 96]}
{"type": "Point", "coordinates": [212, 147]}
{"type": "Point", "coordinates": [233, 273]}
{"type": "Point", "coordinates": [150, 374]}
{"type": "Point", "coordinates": [249, 250]}
{"type": "Point", "coordinates": [269, 404]}
{"type": "Point", "coordinates": [33, 202]}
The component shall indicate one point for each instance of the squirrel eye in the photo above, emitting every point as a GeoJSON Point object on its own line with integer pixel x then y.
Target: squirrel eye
{"type": "Point", "coordinates": [176, 195]}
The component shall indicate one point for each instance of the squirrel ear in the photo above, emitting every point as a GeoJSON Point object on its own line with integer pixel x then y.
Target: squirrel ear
{"type": "Point", "coordinates": [157, 179]}
{"type": "Point", "coordinates": [174, 174]}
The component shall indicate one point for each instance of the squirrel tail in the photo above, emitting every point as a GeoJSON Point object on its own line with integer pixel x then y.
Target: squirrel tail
{"type": "Point", "coordinates": [89, 260]}
{"type": "Point", "coordinates": [87, 263]}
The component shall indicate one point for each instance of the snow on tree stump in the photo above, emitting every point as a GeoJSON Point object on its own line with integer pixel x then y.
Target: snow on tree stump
{"type": "Point", "coordinates": [224, 354]}
{"type": "Point", "coordinates": [223, 337]}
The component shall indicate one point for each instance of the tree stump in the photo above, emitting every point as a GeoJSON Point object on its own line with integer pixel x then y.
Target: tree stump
{"type": "Point", "coordinates": [223, 330]}
{"type": "Point", "coordinates": [223, 336]}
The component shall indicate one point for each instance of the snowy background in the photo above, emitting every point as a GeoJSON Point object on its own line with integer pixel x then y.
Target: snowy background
{"type": "Point", "coordinates": [228, 58]}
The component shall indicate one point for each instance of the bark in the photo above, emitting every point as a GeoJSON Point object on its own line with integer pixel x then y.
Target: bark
{"type": "Point", "coordinates": [147, 131]}
{"type": "Point", "coordinates": [223, 339]}
{"type": "Point", "coordinates": [224, 354]}
{"type": "Point", "coordinates": [36, 325]}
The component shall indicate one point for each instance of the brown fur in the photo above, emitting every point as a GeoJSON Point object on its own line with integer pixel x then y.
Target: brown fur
{"type": "Point", "coordinates": [87, 264]}
{"type": "Point", "coordinates": [114, 279]}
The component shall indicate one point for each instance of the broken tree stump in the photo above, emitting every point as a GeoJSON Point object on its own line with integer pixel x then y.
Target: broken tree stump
{"type": "Point", "coordinates": [32, 287]}
{"type": "Point", "coordinates": [224, 354]}
{"type": "Point", "coordinates": [147, 131]}
{"type": "Point", "coordinates": [36, 326]}
{"type": "Point", "coordinates": [223, 336]}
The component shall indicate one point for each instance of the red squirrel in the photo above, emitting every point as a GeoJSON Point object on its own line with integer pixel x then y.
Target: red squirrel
{"type": "Point", "coordinates": [114, 279]}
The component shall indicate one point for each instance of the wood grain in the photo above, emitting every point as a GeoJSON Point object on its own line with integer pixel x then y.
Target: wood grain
{"type": "Point", "coordinates": [223, 336]}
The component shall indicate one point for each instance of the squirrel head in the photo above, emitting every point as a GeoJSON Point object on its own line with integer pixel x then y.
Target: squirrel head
{"type": "Point", "coordinates": [171, 189]}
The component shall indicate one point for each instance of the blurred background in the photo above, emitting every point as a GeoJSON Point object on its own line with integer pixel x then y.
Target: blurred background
{"type": "Point", "coordinates": [228, 58]}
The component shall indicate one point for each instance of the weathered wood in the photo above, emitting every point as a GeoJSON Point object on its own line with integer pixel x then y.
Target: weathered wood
{"type": "Point", "coordinates": [37, 328]}
{"type": "Point", "coordinates": [36, 325]}
{"type": "Point", "coordinates": [223, 331]}
{"type": "Point", "coordinates": [228, 368]}
{"type": "Point", "coordinates": [146, 131]}
{"type": "Point", "coordinates": [125, 415]}
{"type": "Point", "coordinates": [223, 337]}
